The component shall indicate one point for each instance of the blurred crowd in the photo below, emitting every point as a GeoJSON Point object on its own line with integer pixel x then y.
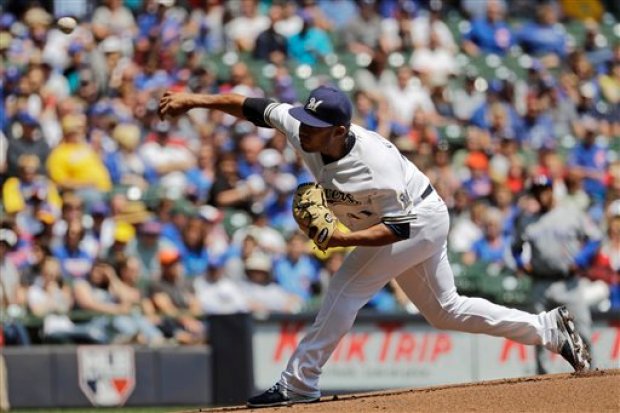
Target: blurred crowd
{"type": "Point", "coordinates": [120, 227]}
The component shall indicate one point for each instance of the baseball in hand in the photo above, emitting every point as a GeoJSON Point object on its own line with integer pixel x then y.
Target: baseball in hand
{"type": "Point", "coordinates": [67, 24]}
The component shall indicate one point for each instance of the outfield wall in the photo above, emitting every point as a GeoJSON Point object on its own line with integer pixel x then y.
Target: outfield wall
{"type": "Point", "coordinates": [247, 354]}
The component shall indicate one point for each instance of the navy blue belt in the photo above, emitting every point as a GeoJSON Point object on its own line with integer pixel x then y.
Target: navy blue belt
{"type": "Point", "coordinates": [427, 192]}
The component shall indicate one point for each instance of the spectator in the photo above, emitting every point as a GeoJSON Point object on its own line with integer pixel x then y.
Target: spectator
{"type": "Point", "coordinates": [339, 13]}
{"type": "Point", "coordinates": [609, 82]}
{"type": "Point", "coordinates": [423, 134]}
{"type": "Point", "coordinates": [562, 242]}
{"type": "Point", "coordinates": [195, 256]}
{"type": "Point", "coordinates": [217, 293]}
{"type": "Point", "coordinates": [176, 301]}
{"type": "Point", "coordinates": [72, 210]}
{"type": "Point", "coordinates": [12, 294]}
{"type": "Point", "coordinates": [468, 98]}
{"type": "Point", "coordinates": [562, 110]}
{"type": "Point", "coordinates": [432, 22]}
{"type": "Point", "coordinates": [146, 247]}
{"type": "Point", "coordinates": [172, 231]}
{"type": "Point", "coordinates": [269, 240]}
{"type": "Point", "coordinates": [575, 195]}
{"type": "Point", "coordinates": [370, 113]}
{"type": "Point", "coordinates": [143, 311]}
{"type": "Point", "coordinates": [363, 33]}
{"type": "Point", "coordinates": [124, 233]}
{"type": "Point", "coordinates": [443, 175]}
{"type": "Point", "coordinates": [202, 176]}
{"type": "Point", "coordinates": [606, 264]}
{"type": "Point", "coordinates": [98, 293]}
{"type": "Point", "coordinates": [29, 142]}
{"type": "Point", "coordinates": [407, 97]}
{"type": "Point", "coordinates": [248, 164]}
{"type": "Point", "coordinates": [296, 271]}
{"type": "Point", "coordinates": [113, 19]}
{"type": "Point", "coordinates": [270, 45]}
{"type": "Point", "coordinates": [229, 190]}
{"type": "Point", "coordinates": [28, 188]}
{"type": "Point", "coordinates": [168, 156]}
{"type": "Point", "coordinates": [537, 126]}
{"type": "Point", "coordinates": [262, 294]}
{"type": "Point", "coordinates": [544, 37]}
{"type": "Point", "coordinates": [467, 228]}
{"type": "Point", "coordinates": [206, 26]}
{"type": "Point", "coordinates": [376, 77]}
{"type": "Point", "coordinates": [590, 159]}
{"type": "Point", "coordinates": [126, 166]}
{"type": "Point", "coordinates": [490, 34]}
{"type": "Point", "coordinates": [159, 26]}
{"type": "Point", "coordinates": [278, 208]}
{"type": "Point", "coordinates": [51, 299]}
{"type": "Point", "coordinates": [478, 185]}
{"type": "Point", "coordinates": [73, 165]}
{"type": "Point", "coordinates": [503, 200]}
{"type": "Point", "coordinates": [75, 262]}
{"type": "Point", "coordinates": [433, 64]}
{"type": "Point", "coordinates": [243, 30]}
{"type": "Point", "coordinates": [311, 44]}
{"type": "Point", "coordinates": [103, 226]}
{"type": "Point", "coordinates": [492, 247]}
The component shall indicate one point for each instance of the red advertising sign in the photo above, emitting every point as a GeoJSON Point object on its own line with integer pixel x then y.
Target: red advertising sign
{"type": "Point", "coordinates": [391, 355]}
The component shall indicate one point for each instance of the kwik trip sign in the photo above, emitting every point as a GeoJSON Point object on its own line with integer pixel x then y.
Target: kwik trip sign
{"type": "Point", "coordinates": [107, 374]}
{"type": "Point", "coordinates": [380, 355]}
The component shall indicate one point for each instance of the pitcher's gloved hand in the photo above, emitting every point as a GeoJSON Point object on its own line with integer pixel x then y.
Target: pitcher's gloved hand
{"type": "Point", "coordinates": [312, 214]}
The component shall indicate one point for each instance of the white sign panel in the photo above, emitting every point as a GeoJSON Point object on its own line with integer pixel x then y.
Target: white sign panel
{"type": "Point", "coordinates": [395, 355]}
{"type": "Point", "coordinates": [371, 356]}
{"type": "Point", "coordinates": [107, 374]}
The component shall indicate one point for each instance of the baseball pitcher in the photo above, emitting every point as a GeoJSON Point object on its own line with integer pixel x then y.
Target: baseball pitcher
{"type": "Point", "coordinates": [398, 223]}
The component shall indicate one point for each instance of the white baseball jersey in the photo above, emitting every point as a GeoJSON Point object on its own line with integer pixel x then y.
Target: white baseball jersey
{"type": "Point", "coordinates": [371, 184]}
{"type": "Point", "coordinates": [374, 183]}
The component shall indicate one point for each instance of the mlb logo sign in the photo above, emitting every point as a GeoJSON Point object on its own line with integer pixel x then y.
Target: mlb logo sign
{"type": "Point", "coordinates": [107, 374]}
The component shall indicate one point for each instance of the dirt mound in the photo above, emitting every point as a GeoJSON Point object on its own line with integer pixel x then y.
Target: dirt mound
{"type": "Point", "coordinates": [597, 391]}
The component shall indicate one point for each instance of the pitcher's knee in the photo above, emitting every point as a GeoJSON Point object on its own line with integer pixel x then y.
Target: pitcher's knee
{"type": "Point", "coordinates": [441, 321]}
{"type": "Point", "coordinates": [447, 317]}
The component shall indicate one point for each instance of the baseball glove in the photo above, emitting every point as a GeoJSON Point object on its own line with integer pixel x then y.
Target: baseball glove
{"type": "Point", "coordinates": [312, 214]}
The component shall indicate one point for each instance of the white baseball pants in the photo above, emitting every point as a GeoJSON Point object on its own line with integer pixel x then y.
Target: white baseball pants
{"type": "Point", "coordinates": [422, 270]}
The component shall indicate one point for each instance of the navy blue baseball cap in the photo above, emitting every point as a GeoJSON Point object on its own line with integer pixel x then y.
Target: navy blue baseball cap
{"type": "Point", "coordinates": [26, 119]}
{"type": "Point", "coordinates": [540, 182]}
{"type": "Point", "coordinates": [326, 106]}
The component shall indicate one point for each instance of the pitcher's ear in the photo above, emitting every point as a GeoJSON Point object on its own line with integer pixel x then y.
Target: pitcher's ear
{"type": "Point", "coordinates": [341, 131]}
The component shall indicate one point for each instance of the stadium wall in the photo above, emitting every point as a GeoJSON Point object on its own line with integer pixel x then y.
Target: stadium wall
{"type": "Point", "coordinates": [247, 354]}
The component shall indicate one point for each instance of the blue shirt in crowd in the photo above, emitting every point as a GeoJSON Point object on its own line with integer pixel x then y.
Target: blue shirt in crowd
{"type": "Point", "coordinates": [487, 252]}
{"type": "Point", "coordinates": [74, 264]}
{"type": "Point", "coordinates": [540, 39]}
{"type": "Point", "coordinates": [305, 48]}
{"type": "Point", "coordinates": [594, 158]}
{"type": "Point", "coordinates": [490, 37]}
{"type": "Point", "coordinates": [296, 277]}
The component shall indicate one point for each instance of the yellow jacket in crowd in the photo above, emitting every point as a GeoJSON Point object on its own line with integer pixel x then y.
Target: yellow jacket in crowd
{"type": "Point", "coordinates": [77, 165]}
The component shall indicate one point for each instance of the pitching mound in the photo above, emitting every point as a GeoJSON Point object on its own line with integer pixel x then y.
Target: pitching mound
{"type": "Point", "coordinates": [597, 391]}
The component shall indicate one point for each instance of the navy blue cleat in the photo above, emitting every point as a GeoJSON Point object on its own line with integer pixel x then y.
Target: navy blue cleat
{"type": "Point", "coordinates": [279, 396]}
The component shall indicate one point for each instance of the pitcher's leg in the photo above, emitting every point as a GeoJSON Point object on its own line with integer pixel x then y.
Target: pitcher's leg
{"type": "Point", "coordinates": [430, 286]}
{"type": "Point", "coordinates": [338, 311]}
{"type": "Point", "coordinates": [364, 272]}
